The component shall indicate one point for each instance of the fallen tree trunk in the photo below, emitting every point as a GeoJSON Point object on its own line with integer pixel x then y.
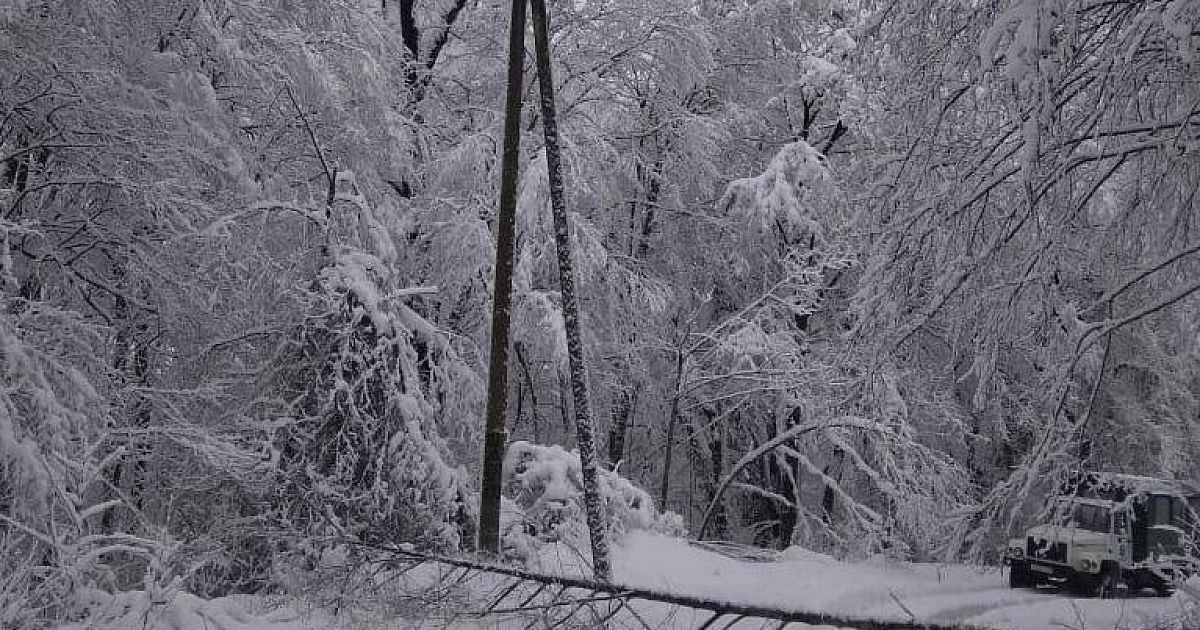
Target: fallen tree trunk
{"type": "Point", "coordinates": [596, 591]}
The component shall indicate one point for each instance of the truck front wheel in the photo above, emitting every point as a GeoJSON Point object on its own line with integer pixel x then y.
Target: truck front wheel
{"type": "Point", "coordinates": [1019, 575]}
{"type": "Point", "coordinates": [1105, 583]}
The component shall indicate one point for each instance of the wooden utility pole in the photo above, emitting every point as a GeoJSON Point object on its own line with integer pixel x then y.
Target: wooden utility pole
{"type": "Point", "coordinates": [495, 435]}
{"type": "Point", "coordinates": [585, 432]}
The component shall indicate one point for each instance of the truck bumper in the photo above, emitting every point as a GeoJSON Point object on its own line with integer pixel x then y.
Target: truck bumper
{"type": "Point", "coordinates": [1050, 571]}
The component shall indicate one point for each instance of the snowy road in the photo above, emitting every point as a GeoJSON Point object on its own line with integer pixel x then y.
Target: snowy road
{"type": "Point", "coordinates": [1002, 607]}
{"type": "Point", "coordinates": [879, 589]}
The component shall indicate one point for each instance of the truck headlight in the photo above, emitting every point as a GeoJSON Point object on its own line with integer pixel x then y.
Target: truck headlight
{"type": "Point", "coordinates": [1088, 564]}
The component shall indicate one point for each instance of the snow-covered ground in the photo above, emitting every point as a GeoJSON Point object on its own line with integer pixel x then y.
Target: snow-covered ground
{"type": "Point", "coordinates": [878, 589]}
{"type": "Point", "coordinates": [948, 594]}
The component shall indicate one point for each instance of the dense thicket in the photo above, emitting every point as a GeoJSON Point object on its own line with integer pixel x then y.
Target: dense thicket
{"type": "Point", "coordinates": [860, 276]}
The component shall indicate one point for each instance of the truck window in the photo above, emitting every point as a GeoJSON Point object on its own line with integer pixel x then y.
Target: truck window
{"type": "Point", "coordinates": [1092, 518]}
{"type": "Point", "coordinates": [1160, 510]}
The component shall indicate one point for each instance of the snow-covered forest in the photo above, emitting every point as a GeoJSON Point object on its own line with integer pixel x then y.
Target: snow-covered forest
{"type": "Point", "coordinates": [864, 277]}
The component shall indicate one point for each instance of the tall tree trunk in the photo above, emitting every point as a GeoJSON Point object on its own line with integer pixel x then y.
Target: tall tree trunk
{"type": "Point", "coordinates": [623, 410]}
{"type": "Point", "coordinates": [717, 451]}
{"type": "Point", "coordinates": [497, 403]}
{"type": "Point", "coordinates": [585, 432]}
{"type": "Point", "coordinates": [527, 374]}
{"type": "Point", "coordinates": [132, 365]}
{"type": "Point", "coordinates": [829, 497]}
{"type": "Point", "coordinates": [672, 420]}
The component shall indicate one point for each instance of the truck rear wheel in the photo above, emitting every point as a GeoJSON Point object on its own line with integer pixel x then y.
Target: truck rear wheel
{"type": "Point", "coordinates": [1106, 585]}
{"type": "Point", "coordinates": [1163, 588]}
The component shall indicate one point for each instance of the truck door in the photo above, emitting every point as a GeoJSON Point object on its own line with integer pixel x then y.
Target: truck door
{"type": "Point", "coordinates": [1121, 529]}
{"type": "Point", "coordinates": [1139, 530]}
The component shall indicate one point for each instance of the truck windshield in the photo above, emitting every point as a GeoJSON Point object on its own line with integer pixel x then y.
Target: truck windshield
{"type": "Point", "coordinates": [1091, 517]}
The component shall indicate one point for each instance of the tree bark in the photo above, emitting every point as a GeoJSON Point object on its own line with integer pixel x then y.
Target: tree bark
{"type": "Point", "coordinates": [411, 37]}
{"type": "Point", "coordinates": [585, 432]}
{"type": "Point", "coordinates": [527, 373]}
{"type": "Point", "coordinates": [717, 454]}
{"type": "Point", "coordinates": [664, 488]}
{"type": "Point", "coordinates": [495, 435]}
{"type": "Point", "coordinates": [829, 496]}
{"type": "Point", "coordinates": [623, 410]}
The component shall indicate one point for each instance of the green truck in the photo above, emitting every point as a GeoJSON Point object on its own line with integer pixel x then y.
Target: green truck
{"type": "Point", "coordinates": [1107, 530]}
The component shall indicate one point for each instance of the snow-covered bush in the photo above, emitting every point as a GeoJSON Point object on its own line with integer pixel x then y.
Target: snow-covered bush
{"type": "Point", "coordinates": [545, 488]}
{"type": "Point", "coordinates": [54, 501]}
{"type": "Point", "coordinates": [363, 455]}
{"type": "Point", "coordinates": [43, 414]}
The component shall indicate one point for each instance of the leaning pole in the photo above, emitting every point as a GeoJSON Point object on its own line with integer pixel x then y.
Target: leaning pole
{"type": "Point", "coordinates": [585, 432]}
